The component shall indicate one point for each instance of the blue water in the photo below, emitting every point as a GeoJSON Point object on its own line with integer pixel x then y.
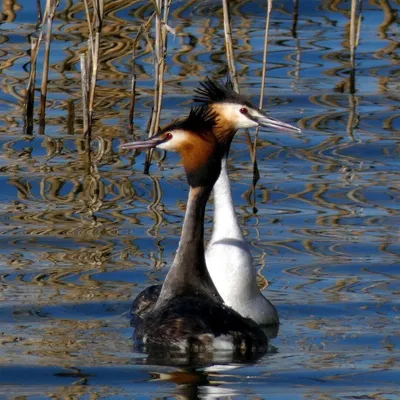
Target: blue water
{"type": "Point", "coordinates": [76, 249]}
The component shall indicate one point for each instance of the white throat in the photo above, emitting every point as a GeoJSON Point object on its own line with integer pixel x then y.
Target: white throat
{"type": "Point", "coordinates": [229, 260]}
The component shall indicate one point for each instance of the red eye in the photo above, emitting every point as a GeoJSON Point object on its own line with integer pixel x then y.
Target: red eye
{"type": "Point", "coordinates": [168, 136]}
{"type": "Point", "coordinates": [244, 110]}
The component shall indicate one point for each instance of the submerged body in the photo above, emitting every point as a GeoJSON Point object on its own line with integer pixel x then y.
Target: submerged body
{"type": "Point", "coordinates": [196, 323]}
{"type": "Point", "coordinates": [228, 257]}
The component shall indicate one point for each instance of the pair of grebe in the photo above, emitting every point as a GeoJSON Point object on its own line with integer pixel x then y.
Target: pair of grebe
{"type": "Point", "coordinates": [209, 299]}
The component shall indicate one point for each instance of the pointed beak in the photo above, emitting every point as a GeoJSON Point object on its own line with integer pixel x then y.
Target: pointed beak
{"type": "Point", "coordinates": [272, 123]}
{"type": "Point", "coordinates": [143, 144]}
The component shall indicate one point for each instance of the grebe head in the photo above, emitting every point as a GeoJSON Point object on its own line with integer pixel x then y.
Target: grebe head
{"type": "Point", "coordinates": [193, 139]}
{"type": "Point", "coordinates": [234, 109]}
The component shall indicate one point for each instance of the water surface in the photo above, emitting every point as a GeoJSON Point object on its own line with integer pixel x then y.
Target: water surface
{"type": "Point", "coordinates": [77, 248]}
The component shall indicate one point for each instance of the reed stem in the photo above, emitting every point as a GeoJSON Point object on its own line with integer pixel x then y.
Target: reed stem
{"type": "Point", "coordinates": [263, 79]}
{"type": "Point", "coordinates": [355, 27]}
{"type": "Point", "coordinates": [143, 28]}
{"type": "Point", "coordinates": [99, 15]}
{"type": "Point", "coordinates": [39, 12]}
{"type": "Point", "coordinates": [30, 94]}
{"type": "Point", "coordinates": [295, 18]}
{"type": "Point", "coordinates": [230, 56]}
{"type": "Point", "coordinates": [160, 50]}
{"type": "Point", "coordinates": [256, 173]}
{"type": "Point", "coordinates": [51, 6]}
{"type": "Point", "coordinates": [85, 105]}
{"type": "Point", "coordinates": [32, 75]}
{"type": "Point", "coordinates": [353, 30]}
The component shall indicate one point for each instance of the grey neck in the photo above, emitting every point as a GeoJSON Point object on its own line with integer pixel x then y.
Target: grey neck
{"type": "Point", "coordinates": [188, 274]}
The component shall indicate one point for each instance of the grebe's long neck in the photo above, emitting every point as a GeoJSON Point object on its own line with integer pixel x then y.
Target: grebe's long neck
{"type": "Point", "coordinates": [188, 274]}
{"type": "Point", "coordinates": [225, 224]}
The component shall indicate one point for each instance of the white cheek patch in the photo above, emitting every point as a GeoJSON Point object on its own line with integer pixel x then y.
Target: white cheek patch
{"type": "Point", "coordinates": [232, 114]}
{"type": "Point", "coordinates": [178, 139]}
{"type": "Point", "coordinates": [166, 146]}
{"type": "Point", "coordinates": [246, 122]}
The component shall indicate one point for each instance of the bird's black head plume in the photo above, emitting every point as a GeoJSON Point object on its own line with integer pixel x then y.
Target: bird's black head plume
{"type": "Point", "coordinates": [215, 91]}
{"type": "Point", "coordinates": [200, 119]}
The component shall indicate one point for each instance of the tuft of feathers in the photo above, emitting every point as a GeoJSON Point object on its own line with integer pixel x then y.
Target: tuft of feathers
{"type": "Point", "coordinates": [200, 119]}
{"type": "Point", "coordinates": [215, 91]}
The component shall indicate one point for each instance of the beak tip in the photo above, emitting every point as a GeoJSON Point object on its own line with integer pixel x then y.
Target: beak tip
{"type": "Point", "coordinates": [122, 147]}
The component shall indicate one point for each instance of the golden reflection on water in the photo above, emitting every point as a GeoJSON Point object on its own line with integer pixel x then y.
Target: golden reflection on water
{"type": "Point", "coordinates": [78, 244]}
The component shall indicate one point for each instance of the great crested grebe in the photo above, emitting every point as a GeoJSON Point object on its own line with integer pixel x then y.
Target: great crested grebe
{"type": "Point", "coordinates": [189, 313]}
{"type": "Point", "coordinates": [228, 258]}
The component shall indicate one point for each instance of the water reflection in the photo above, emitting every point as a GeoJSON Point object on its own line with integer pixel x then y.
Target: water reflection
{"type": "Point", "coordinates": [77, 246]}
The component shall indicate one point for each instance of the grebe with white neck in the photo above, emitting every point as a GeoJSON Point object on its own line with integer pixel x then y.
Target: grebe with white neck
{"type": "Point", "coordinates": [189, 314]}
{"type": "Point", "coordinates": [228, 257]}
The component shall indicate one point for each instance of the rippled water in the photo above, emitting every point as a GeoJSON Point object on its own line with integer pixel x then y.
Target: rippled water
{"type": "Point", "coordinates": [77, 248]}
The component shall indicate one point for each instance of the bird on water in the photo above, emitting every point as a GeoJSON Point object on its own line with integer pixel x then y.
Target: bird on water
{"type": "Point", "coordinates": [189, 314]}
{"type": "Point", "coordinates": [228, 257]}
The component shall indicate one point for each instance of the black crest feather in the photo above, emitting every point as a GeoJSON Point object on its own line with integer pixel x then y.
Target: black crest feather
{"type": "Point", "coordinates": [214, 91]}
{"type": "Point", "coordinates": [200, 119]}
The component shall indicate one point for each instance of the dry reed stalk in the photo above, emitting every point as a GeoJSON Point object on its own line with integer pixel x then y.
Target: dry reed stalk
{"type": "Point", "coordinates": [298, 49]}
{"type": "Point", "coordinates": [95, 26]}
{"type": "Point", "coordinates": [39, 12]}
{"type": "Point", "coordinates": [143, 28]}
{"type": "Point", "coordinates": [85, 104]}
{"type": "Point", "coordinates": [133, 95]}
{"type": "Point", "coordinates": [355, 26]}
{"type": "Point", "coordinates": [32, 75]}
{"type": "Point", "coordinates": [90, 41]}
{"type": "Point", "coordinates": [160, 49]}
{"type": "Point", "coordinates": [295, 18]}
{"type": "Point", "coordinates": [30, 94]}
{"type": "Point", "coordinates": [162, 57]}
{"type": "Point", "coordinates": [85, 115]}
{"type": "Point", "coordinates": [353, 30]}
{"type": "Point", "coordinates": [230, 56]}
{"type": "Point", "coordinates": [51, 6]}
{"type": "Point", "coordinates": [89, 70]}
{"type": "Point", "coordinates": [99, 13]}
{"type": "Point", "coordinates": [157, 51]}
{"type": "Point", "coordinates": [256, 175]}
